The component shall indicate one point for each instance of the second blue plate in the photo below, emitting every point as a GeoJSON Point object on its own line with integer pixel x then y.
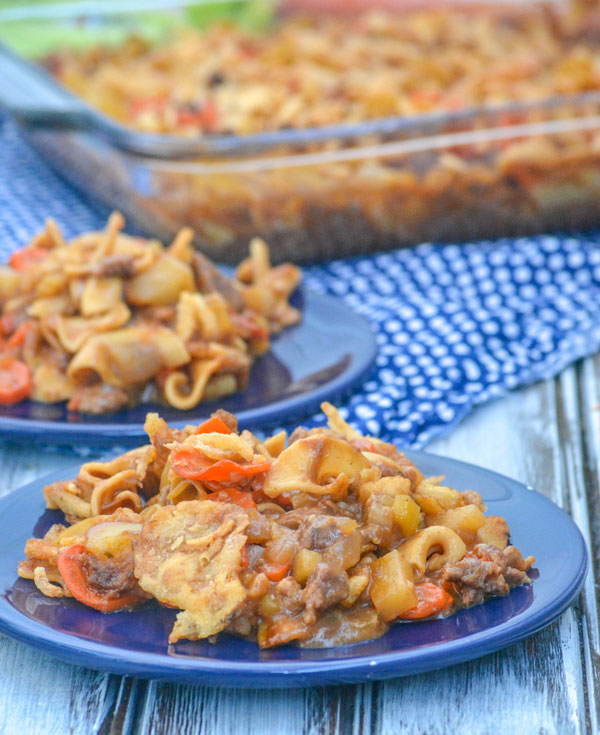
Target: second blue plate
{"type": "Point", "coordinates": [323, 357]}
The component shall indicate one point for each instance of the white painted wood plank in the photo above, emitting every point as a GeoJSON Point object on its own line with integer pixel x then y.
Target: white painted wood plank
{"type": "Point", "coordinates": [188, 710]}
{"type": "Point", "coordinates": [514, 435]}
{"type": "Point", "coordinates": [519, 690]}
{"type": "Point", "coordinates": [203, 711]}
{"type": "Point", "coordinates": [40, 695]}
{"type": "Point", "coordinates": [586, 482]}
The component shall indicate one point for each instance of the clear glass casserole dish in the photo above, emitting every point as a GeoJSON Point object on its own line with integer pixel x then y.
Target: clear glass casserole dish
{"type": "Point", "coordinates": [319, 192]}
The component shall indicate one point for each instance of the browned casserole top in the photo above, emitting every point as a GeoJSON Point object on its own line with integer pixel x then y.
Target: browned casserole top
{"type": "Point", "coordinates": [325, 70]}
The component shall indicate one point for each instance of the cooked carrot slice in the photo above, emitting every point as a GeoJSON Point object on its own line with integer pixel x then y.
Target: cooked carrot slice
{"type": "Point", "coordinates": [431, 600]}
{"type": "Point", "coordinates": [17, 338]}
{"type": "Point", "coordinates": [205, 116]}
{"type": "Point", "coordinates": [233, 495]}
{"type": "Point", "coordinates": [143, 104]}
{"type": "Point", "coordinates": [189, 463]}
{"type": "Point", "coordinates": [22, 259]}
{"type": "Point", "coordinates": [226, 470]}
{"type": "Point", "coordinates": [72, 570]}
{"type": "Point", "coordinates": [213, 425]}
{"type": "Point", "coordinates": [276, 572]}
{"type": "Point", "coordinates": [193, 465]}
{"type": "Point", "coordinates": [15, 381]}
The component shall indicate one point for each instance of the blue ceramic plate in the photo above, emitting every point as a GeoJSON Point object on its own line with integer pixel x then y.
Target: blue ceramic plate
{"type": "Point", "coordinates": [135, 642]}
{"type": "Point", "coordinates": [323, 357]}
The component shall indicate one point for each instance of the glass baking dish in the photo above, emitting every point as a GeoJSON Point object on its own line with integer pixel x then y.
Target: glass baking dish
{"type": "Point", "coordinates": [315, 193]}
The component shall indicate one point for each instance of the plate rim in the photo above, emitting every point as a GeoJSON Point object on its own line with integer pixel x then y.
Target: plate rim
{"type": "Point", "coordinates": [60, 432]}
{"type": "Point", "coordinates": [101, 656]}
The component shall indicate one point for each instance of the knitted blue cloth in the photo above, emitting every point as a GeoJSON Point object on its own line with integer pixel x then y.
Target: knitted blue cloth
{"type": "Point", "coordinates": [456, 324]}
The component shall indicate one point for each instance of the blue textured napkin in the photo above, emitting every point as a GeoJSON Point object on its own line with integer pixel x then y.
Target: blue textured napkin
{"type": "Point", "coordinates": [456, 324]}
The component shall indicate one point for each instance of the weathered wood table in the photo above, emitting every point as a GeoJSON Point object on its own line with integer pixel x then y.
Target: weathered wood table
{"type": "Point", "coordinates": [547, 436]}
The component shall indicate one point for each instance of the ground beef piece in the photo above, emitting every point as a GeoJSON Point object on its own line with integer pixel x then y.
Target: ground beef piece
{"type": "Point", "coordinates": [287, 624]}
{"type": "Point", "coordinates": [210, 279]}
{"type": "Point", "coordinates": [485, 572]}
{"type": "Point", "coordinates": [98, 398]}
{"type": "Point", "coordinates": [161, 436]}
{"type": "Point", "coordinates": [112, 577]}
{"type": "Point", "coordinates": [325, 587]}
{"type": "Point", "coordinates": [298, 519]}
{"type": "Point", "coordinates": [289, 596]}
{"type": "Point", "coordinates": [115, 266]}
{"type": "Point", "coordinates": [409, 471]}
{"type": "Point", "coordinates": [516, 567]}
{"type": "Point", "coordinates": [301, 433]}
{"type": "Point", "coordinates": [402, 467]}
{"type": "Point", "coordinates": [319, 532]}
